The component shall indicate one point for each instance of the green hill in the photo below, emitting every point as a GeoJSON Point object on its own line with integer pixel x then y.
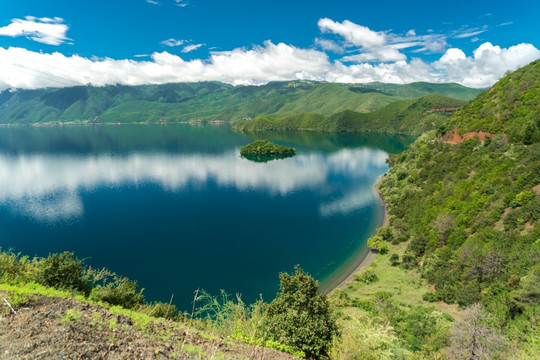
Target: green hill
{"type": "Point", "coordinates": [511, 106]}
{"type": "Point", "coordinates": [406, 116]}
{"type": "Point", "coordinates": [204, 101]}
{"type": "Point", "coordinates": [464, 215]}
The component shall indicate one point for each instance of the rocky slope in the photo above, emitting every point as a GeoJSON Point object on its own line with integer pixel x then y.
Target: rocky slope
{"type": "Point", "coordinates": [45, 327]}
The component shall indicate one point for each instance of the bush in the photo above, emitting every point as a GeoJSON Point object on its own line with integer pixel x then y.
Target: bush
{"type": "Point", "coordinates": [13, 267]}
{"type": "Point", "coordinates": [376, 243]}
{"type": "Point", "coordinates": [122, 292]}
{"type": "Point", "coordinates": [386, 233]}
{"type": "Point", "coordinates": [162, 310]}
{"type": "Point", "coordinates": [368, 276]}
{"type": "Point", "coordinates": [401, 175]}
{"type": "Point", "coordinates": [63, 271]}
{"type": "Point", "coordinates": [524, 197]}
{"type": "Point", "coordinates": [408, 260]}
{"type": "Point", "coordinates": [394, 259]}
{"type": "Point", "coordinates": [429, 297]}
{"type": "Point", "coordinates": [300, 316]}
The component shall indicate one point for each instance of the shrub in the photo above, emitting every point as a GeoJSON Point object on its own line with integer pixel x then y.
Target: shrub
{"type": "Point", "coordinates": [300, 316]}
{"type": "Point", "coordinates": [162, 310]}
{"type": "Point", "coordinates": [429, 297]}
{"type": "Point", "coordinates": [524, 197]}
{"type": "Point", "coordinates": [383, 249]}
{"type": "Point", "coordinates": [13, 267]}
{"type": "Point", "coordinates": [63, 271]}
{"type": "Point", "coordinates": [408, 260]}
{"type": "Point", "coordinates": [394, 259]}
{"type": "Point", "coordinates": [339, 298]}
{"type": "Point", "coordinates": [122, 292]}
{"type": "Point", "coordinates": [401, 175]}
{"type": "Point", "coordinates": [386, 233]}
{"type": "Point", "coordinates": [376, 243]}
{"type": "Point", "coordinates": [368, 276]}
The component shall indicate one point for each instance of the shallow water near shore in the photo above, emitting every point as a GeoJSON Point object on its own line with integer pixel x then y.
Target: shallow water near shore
{"type": "Point", "coordinates": [176, 207]}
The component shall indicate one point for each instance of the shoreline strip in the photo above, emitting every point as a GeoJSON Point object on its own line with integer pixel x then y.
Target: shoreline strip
{"type": "Point", "coordinates": [370, 256]}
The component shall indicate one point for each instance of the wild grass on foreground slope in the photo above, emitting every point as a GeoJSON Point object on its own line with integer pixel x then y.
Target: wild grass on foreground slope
{"type": "Point", "coordinates": [52, 324]}
{"type": "Point", "coordinates": [76, 292]}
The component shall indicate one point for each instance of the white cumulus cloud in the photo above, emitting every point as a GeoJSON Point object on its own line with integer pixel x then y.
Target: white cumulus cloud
{"type": "Point", "coordinates": [378, 58]}
{"type": "Point", "coordinates": [191, 47]}
{"type": "Point", "coordinates": [372, 44]}
{"type": "Point", "coordinates": [172, 42]}
{"type": "Point", "coordinates": [51, 31]}
{"type": "Point", "coordinates": [356, 34]}
{"type": "Point", "coordinates": [329, 45]}
{"type": "Point", "coordinates": [487, 64]}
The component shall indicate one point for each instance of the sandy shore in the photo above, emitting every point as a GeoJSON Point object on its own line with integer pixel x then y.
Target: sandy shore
{"type": "Point", "coordinates": [370, 255]}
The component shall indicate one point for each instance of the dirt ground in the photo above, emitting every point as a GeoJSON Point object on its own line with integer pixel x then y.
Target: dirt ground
{"type": "Point", "coordinates": [56, 328]}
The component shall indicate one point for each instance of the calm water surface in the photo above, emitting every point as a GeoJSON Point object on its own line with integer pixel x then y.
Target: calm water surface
{"type": "Point", "coordinates": [177, 208]}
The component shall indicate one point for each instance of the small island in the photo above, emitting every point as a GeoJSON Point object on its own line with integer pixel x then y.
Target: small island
{"type": "Point", "coordinates": [265, 147]}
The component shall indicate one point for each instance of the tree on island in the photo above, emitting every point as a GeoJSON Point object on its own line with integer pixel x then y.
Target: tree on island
{"type": "Point", "coordinates": [260, 147]}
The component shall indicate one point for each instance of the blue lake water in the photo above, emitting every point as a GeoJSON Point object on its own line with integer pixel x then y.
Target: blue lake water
{"type": "Point", "coordinates": [176, 208]}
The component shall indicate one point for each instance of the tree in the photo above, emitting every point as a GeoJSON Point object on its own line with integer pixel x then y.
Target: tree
{"type": "Point", "coordinates": [531, 133]}
{"type": "Point", "coordinates": [474, 339]}
{"type": "Point", "coordinates": [300, 315]}
{"type": "Point", "coordinates": [376, 243]}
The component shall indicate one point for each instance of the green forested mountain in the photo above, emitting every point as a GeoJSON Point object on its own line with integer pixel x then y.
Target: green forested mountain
{"type": "Point", "coordinates": [468, 212]}
{"type": "Point", "coordinates": [511, 107]}
{"type": "Point", "coordinates": [406, 116]}
{"type": "Point", "coordinates": [205, 101]}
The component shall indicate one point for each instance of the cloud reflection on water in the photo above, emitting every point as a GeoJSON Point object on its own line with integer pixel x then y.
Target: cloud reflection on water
{"type": "Point", "coordinates": [48, 187]}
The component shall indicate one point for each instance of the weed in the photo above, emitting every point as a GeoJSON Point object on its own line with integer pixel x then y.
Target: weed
{"type": "Point", "coordinates": [72, 315]}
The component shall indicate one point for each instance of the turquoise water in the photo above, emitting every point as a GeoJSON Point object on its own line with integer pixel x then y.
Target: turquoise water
{"type": "Point", "coordinates": [177, 208]}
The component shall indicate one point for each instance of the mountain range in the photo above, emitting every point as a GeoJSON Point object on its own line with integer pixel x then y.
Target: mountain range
{"type": "Point", "coordinates": [206, 101]}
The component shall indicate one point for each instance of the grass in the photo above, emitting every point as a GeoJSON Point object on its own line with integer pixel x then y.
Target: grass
{"type": "Point", "coordinates": [406, 285]}
{"type": "Point", "coordinates": [72, 315]}
{"type": "Point", "coordinates": [148, 326]}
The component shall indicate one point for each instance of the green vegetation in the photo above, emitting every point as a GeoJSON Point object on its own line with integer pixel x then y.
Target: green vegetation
{"type": "Point", "coordinates": [299, 320]}
{"type": "Point", "coordinates": [382, 314]}
{"type": "Point", "coordinates": [265, 147]}
{"type": "Point", "coordinates": [66, 272]}
{"type": "Point", "coordinates": [459, 263]}
{"type": "Point", "coordinates": [464, 221]}
{"type": "Point", "coordinates": [204, 101]}
{"type": "Point", "coordinates": [300, 316]}
{"type": "Point", "coordinates": [407, 116]}
{"type": "Point", "coordinates": [511, 106]}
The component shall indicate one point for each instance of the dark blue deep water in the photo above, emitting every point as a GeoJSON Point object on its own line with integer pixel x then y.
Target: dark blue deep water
{"type": "Point", "coordinates": [177, 208]}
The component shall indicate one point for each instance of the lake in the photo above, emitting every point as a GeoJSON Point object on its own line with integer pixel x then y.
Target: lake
{"type": "Point", "coordinates": [176, 208]}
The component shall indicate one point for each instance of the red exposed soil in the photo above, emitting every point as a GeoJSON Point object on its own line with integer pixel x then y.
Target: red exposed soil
{"type": "Point", "coordinates": [456, 138]}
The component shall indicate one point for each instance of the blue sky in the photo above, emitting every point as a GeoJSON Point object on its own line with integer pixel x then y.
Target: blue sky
{"type": "Point", "coordinates": [62, 43]}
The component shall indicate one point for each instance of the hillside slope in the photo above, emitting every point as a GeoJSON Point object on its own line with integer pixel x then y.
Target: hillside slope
{"type": "Point", "coordinates": [50, 324]}
{"type": "Point", "coordinates": [204, 101]}
{"type": "Point", "coordinates": [406, 116]}
{"type": "Point", "coordinates": [511, 106]}
{"type": "Point", "coordinates": [469, 210]}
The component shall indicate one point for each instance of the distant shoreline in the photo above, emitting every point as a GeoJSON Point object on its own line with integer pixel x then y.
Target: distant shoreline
{"type": "Point", "coordinates": [89, 123]}
{"type": "Point", "coordinates": [370, 256]}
